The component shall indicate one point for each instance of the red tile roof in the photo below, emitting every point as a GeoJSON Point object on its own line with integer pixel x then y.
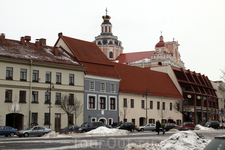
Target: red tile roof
{"type": "Point", "coordinates": [89, 54]}
{"type": "Point", "coordinates": [132, 57]}
{"type": "Point", "coordinates": [85, 51]}
{"type": "Point", "coordinates": [136, 80]}
{"type": "Point", "coordinates": [14, 49]}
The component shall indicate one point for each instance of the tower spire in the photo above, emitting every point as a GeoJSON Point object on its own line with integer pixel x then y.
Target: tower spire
{"type": "Point", "coordinates": [106, 10]}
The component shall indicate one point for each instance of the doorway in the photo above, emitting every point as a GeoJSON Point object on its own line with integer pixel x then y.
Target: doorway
{"type": "Point", "coordinates": [57, 122]}
{"type": "Point", "coordinates": [15, 120]}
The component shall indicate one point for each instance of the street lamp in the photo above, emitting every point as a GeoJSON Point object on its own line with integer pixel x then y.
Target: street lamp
{"type": "Point", "coordinates": [146, 93]}
{"type": "Point", "coordinates": [49, 90]}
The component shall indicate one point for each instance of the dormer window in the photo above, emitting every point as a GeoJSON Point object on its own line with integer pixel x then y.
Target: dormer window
{"type": "Point", "coordinates": [159, 64]}
{"type": "Point", "coordinates": [110, 54]}
{"type": "Point", "coordinates": [103, 87]}
{"type": "Point", "coordinates": [99, 43]}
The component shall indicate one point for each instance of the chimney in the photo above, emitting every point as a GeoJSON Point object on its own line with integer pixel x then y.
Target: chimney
{"type": "Point", "coordinates": [27, 38]}
{"type": "Point", "coordinates": [22, 40]}
{"type": "Point", "coordinates": [42, 42]}
{"type": "Point", "coordinates": [2, 38]}
{"type": "Point", "coordinates": [60, 33]}
{"type": "Point", "coordinates": [37, 43]}
{"type": "Point", "coordinates": [56, 51]}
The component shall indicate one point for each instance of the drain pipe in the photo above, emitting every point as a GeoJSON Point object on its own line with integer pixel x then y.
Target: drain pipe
{"type": "Point", "coordinates": [30, 95]}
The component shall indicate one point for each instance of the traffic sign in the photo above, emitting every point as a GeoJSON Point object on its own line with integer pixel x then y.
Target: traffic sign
{"type": "Point", "coordinates": [221, 114]}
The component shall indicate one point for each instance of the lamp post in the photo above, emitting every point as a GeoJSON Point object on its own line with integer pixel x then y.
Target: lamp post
{"type": "Point", "coordinates": [49, 90]}
{"type": "Point", "coordinates": [146, 93]}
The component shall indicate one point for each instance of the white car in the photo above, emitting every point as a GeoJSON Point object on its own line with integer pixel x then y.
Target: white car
{"type": "Point", "coordinates": [147, 127]}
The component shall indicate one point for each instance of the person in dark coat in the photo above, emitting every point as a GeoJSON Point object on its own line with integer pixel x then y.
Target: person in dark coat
{"type": "Point", "coordinates": [158, 125]}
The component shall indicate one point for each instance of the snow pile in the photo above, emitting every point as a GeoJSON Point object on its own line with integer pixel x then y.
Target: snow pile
{"type": "Point", "coordinates": [173, 130]}
{"type": "Point", "coordinates": [185, 140]}
{"type": "Point", "coordinates": [51, 134]}
{"type": "Point", "coordinates": [199, 127]}
{"type": "Point", "coordinates": [104, 131]}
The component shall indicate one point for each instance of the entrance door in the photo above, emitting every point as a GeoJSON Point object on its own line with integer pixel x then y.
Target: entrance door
{"type": "Point", "coordinates": [57, 121]}
{"type": "Point", "coordinates": [15, 120]}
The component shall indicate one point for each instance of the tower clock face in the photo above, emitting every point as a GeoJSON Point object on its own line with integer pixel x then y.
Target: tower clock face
{"type": "Point", "coordinates": [189, 96]}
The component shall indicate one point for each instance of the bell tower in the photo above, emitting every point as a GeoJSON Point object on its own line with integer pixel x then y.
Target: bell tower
{"type": "Point", "coordinates": [106, 41]}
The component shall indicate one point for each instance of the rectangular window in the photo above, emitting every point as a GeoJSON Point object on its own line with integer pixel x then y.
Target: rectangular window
{"type": "Point", "coordinates": [71, 119]}
{"type": "Point", "coordinates": [163, 105]}
{"type": "Point", "coordinates": [23, 74]}
{"type": "Point", "coordinates": [58, 78]}
{"type": "Point", "coordinates": [151, 104]}
{"type": "Point", "coordinates": [92, 85]}
{"type": "Point", "coordinates": [58, 98]}
{"type": "Point", "coordinates": [112, 103]}
{"type": "Point", "coordinates": [151, 120]}
{"type": "Point", "coordinates": [92, 102]}
{"type": "Point", "coordinates": [124, 102]}
{"type": "Point", "coordinates": [131, 103]}
{"type": "Point", "coordinates": [133, 120]}
{"type": "Point", "coordinates": [47, 118]}
{"type": "Point", "coordinates": [48, 77]}
{"type": "Point", "coordinates": [102, 86]}
{"type": "Point", "coordinates": [34, 96]}
{"type": "Point", "coordinates": [8, 95]}
{"type": "Point", "coordinates": [71, 99]}
{"type": "Point", "coordinates": [178, 107]}
{"type": "Point", "coordinates": [142, 104]}
{"type": "Point", "coordinates": [34, 118]}
{"type": "Point", "coordinates": [35, 76]}
{"type": "Point", "coordinates": [9, 73]}
{"type": "Point", "coordinates": [22, 97]}
{"type": "Point", "coordinates": [158, 105]}
{"type": "Point", "coordinates": [171, 106]}
{"type": "Point", "coordinates": [102, 103]}
{"type": "Point", "coordinates": [71, 79]}
{"type": "Point", "coordinates": [112, 87]}
{"type": "Point", "coordinates": [47, 97]}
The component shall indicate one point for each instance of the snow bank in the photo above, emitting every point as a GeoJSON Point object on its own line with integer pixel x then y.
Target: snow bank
{"type": "Point", "coordinates": [106, 131]}
{"type": "Point", "coordinates": [200, 127]}
{"type": "Point", "coordinates": [184, 140]}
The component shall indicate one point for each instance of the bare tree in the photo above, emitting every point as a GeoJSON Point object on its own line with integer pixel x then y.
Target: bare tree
{"type": "Point", "coordinates": [223, 75]}
{"type": "Point", "coordinates": [14, 108]}
{"type": "Point", "coordinates": [124, 111]}
{"type": "Point", "coordinates": [78, 108]}
{"type": "Point", "coordinates": [182, 107]}
{"type": "Point", "coordinates": [162, 113]}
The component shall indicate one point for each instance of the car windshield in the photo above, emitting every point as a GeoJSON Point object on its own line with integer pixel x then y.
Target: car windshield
{"type": "Point", "coordinates": [84, 124]}
{"type": "Point", "coordinates": [207, 123]}
{"type": "Point", "coordinates": [216, 144]}
{"type": "Point", "coordinates": [182, 124]}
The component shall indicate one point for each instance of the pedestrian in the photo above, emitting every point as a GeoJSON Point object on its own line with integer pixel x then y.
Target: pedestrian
{"type": "Point", "coordinates": [163, 127]}
{"type": "Point", "coordinates": [158, 125]}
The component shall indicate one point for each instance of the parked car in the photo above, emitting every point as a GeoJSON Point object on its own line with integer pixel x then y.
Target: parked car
{"type": "Point", "coordinates": [217, 143]}
{"type": "Point", "coordinates": [88, 126]}
{"type": "Point", "coordinates": [147, 127]}
{"type": "Point", "coordinates": [186, 126]}
{"type": "Point", "coordinates": [73, 128]}
{"type": "Point", "coordinates": [169, 126]}
{"type": "Point", "coordinates": [212, 124]}
{"type": "Point", "coordinates": [7, 131]}
{"type": "Point", "coordinates": [33, 131]}
{"type": "Point", "coordinates": [127, 126]}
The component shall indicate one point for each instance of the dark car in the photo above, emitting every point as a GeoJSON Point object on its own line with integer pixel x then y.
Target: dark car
{"type": "Point", "coordinates": [33, 131]}
{"type": "Point", "coordinates": [73, 128]}
{"type": "Point", "coordinates": [218, 143]}
{"type": "Point", "coordinates": [88, 126]}
{"type": "Point", "coordinates": [127, 126]}
{"type": "Point", "coordinates": [186, 126]}
{"type": "Point", "coordinates": [7, 131]}
{"type": "Point", "coordinates": [213, 124]}
{"type": "Point", "coordinates": [169, 126]}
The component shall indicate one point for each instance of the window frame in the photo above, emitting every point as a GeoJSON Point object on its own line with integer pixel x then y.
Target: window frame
{"type": "Point", "coordinates": [47, 118]}
{"type": "Point", "coordinates": [34, 96]}
{"type": "Point", "coordinates": [171, 106]}
{"type": "Point", "coordinates": [143, 104]}
{"type": "Point", "coordinates": [131, 103]}
{"type": "Point", "coordinates": [34, 118]}
{"type": "Point", "coordinates": [115, 103]}
{"type": "Point", "coordinates": [57, 98]}
{"type": "Point", "coordinates": [22, 97]}
{"type": "Point", "coordinates": [105, 103]}
{"type": "Point", "coordinates": [71, 79]}
{"type": "Point", "coordinates": [102, 86]}
{"type": "Point", "coordinates": [8, 95]}
{"type": "Point", "coordinates": [158, 105]}
{"type": "Point", "coordinates": [125, 102]}
{"type": "Point", "coordinates": [151, 104]}
{"type": "Point", "coordinates": [23, 74]}
{"type": "Point", "coordinates": [35, 76]}
{"type": "Point", "coordinates": [58, 78]}
{"type": "Point", "coordinates": [47, 97]}
{"type": "Point", "coordinates": [112, 87]}
{"type": "Point", "coordinates": [71, 99]}
{"type": "Point", "coordinates": [48, 77]}
{"type": "Point", "coordinates": [163, 105]}
{"type": "Point", "coordinates": [9, 73]}
{"type": "Point", "coordinates": [91, 85]}
{"type": "Point", "coordinates": [94, 103]}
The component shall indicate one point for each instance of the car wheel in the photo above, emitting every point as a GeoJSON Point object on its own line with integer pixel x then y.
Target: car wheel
{"type": "Point", "coordinates": [6, 135]}
{"type": "Point", "coordinates": [11, 134]}
{"type": "Point", "coordinates": [83, 131]}
{"type": "Point", "coordinates": [26, 135]}
{"type": "Point", "coordinates": [142, 130]}
{"type": "Point", "coordinates": [132, 130]}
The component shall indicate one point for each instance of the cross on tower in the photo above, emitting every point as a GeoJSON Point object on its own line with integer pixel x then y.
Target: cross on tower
{"type": "Point", "coordinates": [106, 10]}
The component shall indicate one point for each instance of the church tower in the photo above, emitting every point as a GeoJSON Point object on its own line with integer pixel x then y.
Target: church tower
{"type": "Point", "coordinates": [166, 53]}
{"type": "Point", "coordinates": [106, 41]}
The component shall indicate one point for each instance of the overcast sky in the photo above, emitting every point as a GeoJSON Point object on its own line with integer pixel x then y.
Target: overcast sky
{"type": "Point", "coordinates": [197, 25]}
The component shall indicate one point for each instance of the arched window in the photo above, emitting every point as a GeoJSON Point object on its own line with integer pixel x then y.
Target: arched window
{"type": "Point", "coordinates": [105, 28]}
{"type": "Point", "coordinates": [99, 43]}
{"type": "Point", "coordinates": [110, 42]}
{"type": "Point", "coordinates": [159, 64]}
{"type": "Point", "coordinates": [109, 29]}
{"type": "Point", "coordinates": [110, 54]}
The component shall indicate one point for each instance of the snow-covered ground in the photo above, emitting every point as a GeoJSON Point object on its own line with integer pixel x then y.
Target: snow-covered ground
{"type": "Point", "coordinates": [185, 140]}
